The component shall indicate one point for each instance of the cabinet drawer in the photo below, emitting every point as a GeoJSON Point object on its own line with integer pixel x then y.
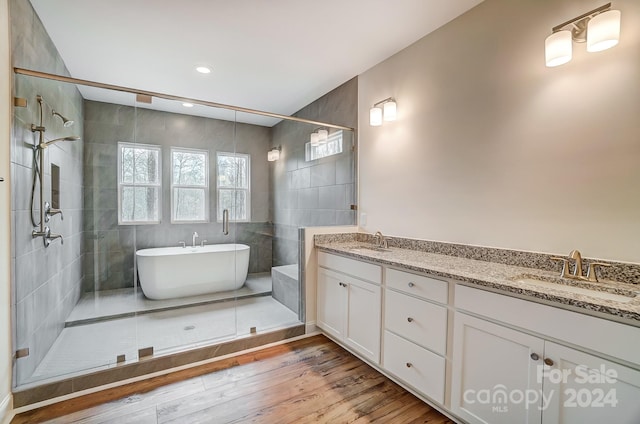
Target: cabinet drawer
{"type": "Point", "coordinates": [417, 320]}
{"type": "Point", "coordinates": [358, 269]}
{"type": "Point", "coordinates": [418, 367]}
{"type": "Point", "coordinates": [417, 285]}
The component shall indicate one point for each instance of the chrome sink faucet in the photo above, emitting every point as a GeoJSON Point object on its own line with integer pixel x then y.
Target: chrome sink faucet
{"type": "Point", "coordinates": [193, 238]}
{"type": "Point", "coordinates": [577, 268]}
{"type": "Point", "coordinates": [380, 240]}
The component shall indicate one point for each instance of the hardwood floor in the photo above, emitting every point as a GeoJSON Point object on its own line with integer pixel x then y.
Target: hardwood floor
{"type": "Point", "coordinates": [308, 381]}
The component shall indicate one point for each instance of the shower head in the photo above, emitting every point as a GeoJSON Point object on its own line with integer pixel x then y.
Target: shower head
{"type": "Point", "coordinates": [49, 143]}
{"type": "Point", "coordinates": [65, 122]}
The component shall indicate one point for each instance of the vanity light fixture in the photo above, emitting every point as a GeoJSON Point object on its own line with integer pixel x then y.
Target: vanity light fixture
{"type": "Point", "coordinates": [600, 28]}
{"type": "Point", "coordinates": [319, 136]}
{"type": "Point", "coordinates": [388, 111]}
{"type": "Point", "coordinates": [274, 154]}
{"type": "Point", "coordinates": [187, 104]}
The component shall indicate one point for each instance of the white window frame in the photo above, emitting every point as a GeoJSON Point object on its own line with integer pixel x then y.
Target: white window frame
{"type": "Point", "coordinates": [335, 142]}
{"type": "Point", "coordinates": [248, 189]}
{"type": "Point", "coordinates": [121, 184]}
{"type": "Point", "coordinates": [205, 188]}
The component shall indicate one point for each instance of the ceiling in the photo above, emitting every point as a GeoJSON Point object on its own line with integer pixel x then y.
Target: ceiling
{"type": "Point", "coordinates": [275, 55]}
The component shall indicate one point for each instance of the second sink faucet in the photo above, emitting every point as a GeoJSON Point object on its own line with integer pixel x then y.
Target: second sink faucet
{"type": "Point", "coordinates": [193, 238]}
{"type": "Point", "coordinates": [380, 240]}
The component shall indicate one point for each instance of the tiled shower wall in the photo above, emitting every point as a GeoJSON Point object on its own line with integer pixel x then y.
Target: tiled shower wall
{"type": "Point", "coordinates": [315, 193]}
{"type": "Point", "coordinates": [46, 282]}
{"type": "Point", "coordinates": [111, 247]}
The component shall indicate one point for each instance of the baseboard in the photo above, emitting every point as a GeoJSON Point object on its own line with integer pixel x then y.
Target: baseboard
{"type": "Point", "coordinates": [310, 328]}
{"type": "Point", "coordinates": [6, 411]}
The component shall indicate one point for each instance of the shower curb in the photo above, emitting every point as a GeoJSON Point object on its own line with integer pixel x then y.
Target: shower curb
{"type": "Point", "coordinates": [147, 366]}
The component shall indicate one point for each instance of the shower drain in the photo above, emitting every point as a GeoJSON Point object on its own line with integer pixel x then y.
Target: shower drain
{"type": "Point", "coordinates": [189, 327]}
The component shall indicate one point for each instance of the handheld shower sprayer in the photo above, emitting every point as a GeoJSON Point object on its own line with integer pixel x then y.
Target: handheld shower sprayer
{"type": "Point", "coordinates": [46, 144]}
{"type": "Point", "coordinates": [38, 176]}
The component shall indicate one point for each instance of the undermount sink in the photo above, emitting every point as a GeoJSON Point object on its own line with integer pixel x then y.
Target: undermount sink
{"type": "Point", "coordinates": [366, 249]}
{"type": "Point", "coordinates": [584, 288]}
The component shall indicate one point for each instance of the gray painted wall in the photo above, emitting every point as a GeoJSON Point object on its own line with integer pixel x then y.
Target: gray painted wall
{"type": "Point", "coordinates": [316, 193]}
{"type": "Point", "coordinates": [46, 282]}
{"type": "Point", "coordinates": [111, 247]}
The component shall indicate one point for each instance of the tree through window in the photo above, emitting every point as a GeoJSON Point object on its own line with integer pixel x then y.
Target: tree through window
{"type": "Point", "coordinates": [233, 187]}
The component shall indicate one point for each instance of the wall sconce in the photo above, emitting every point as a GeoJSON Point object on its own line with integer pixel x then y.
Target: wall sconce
{"type": "Point", "coordinates": [319, 136]}
{"type": "Point", "coordinates": [388, 111]}
{"type": "Point", "coordinates": [600, 28]}
{"type": "Point", "coordinates": [274, 154]}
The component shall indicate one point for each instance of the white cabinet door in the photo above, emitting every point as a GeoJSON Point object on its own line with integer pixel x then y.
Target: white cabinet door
{"type": "Point", "coordinates": [581, 388]}
{"type": "Point", "coordinates": [494, 377]}
{"type": "Point", "coordinates": [331, 302]}
{"type": "Point", "coordinates": [363, 317]}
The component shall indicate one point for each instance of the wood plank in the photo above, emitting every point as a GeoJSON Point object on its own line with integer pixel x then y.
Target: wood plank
{"type": "Point", "coordinates": [307, 381]}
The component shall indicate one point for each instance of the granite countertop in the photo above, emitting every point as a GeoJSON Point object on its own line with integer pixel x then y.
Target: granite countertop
{"type": "Point", "coordinates": [502, 278]}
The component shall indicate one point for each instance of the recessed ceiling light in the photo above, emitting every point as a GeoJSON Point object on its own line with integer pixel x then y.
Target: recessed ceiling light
{"type": "Point", "coordinates": [187, 104]}
{"type": "Point", "coordinates": [203, 69]}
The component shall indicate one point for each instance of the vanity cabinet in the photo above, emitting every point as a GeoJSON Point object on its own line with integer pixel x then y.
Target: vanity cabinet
{"type": "Point", "coordinates": [349, 303]}
{"type": "Point", "coordinates": [490, 361]}
{"type": "Point", "coordinates": [507, 375]}
{"type": "Point", "coordinates": [415, 336]}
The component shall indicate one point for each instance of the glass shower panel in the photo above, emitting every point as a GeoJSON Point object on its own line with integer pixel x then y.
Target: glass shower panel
{"type": "Point", "coordinates": [59, 249]}
{"type": "Point", "coordinates": [186, 301]}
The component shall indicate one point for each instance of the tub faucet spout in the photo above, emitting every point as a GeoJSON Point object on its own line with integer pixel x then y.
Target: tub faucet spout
{"type": "Point", "coordinates": [193, 239]}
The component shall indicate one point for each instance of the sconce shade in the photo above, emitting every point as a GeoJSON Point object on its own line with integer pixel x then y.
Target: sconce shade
{"type": "Point", "coordinates": [558, 48]}
{"type": "Point", "coordinates": [273, 154]}
{"type": "Point", "coordinates": [314, 139]}
{"type": "Point", "coordinates": [390, 109]}
{"type": "Point", "coordinates": [375, 116]}
{"type": "Point", "coordinates": [603, 31]}
{"type": "Point", "coordinates": [323, 136]}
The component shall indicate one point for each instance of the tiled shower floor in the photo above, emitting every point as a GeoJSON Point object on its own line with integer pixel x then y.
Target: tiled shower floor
{"type": "Point", "coordinates": [122, 302]}
{"type": "Point", "coordinates": [95, 346]}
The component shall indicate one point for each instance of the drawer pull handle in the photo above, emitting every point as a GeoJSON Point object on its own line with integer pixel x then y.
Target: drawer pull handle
{"type": "Point", "coordinates": [548, 361]}
{"type": "Point", "coordinates": [410, 319]}
{"type": "Point", "coordinates": [409, 364]}
{"type": "Point", "coordinates": [342, 284]}
{"type": "Point", "coordinates": [411, 284]}
{"type": "Point", "coordinates": [535, 356]}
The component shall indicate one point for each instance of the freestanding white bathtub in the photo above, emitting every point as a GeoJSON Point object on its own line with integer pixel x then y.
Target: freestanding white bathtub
{"type": "Point", "coordinates": [169, 272]}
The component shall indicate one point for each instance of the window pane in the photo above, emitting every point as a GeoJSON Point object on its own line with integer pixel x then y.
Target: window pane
{"type": "Point", "coordinates": [332, 147]}
{"type": "Point", "coordinates": [139, 204]}
{"type": "Point", "coordinates": [235, 201]}
{"type": "Point", "coordinates": [233, 171]}
{"type": "Point", "coordinates": [226, 171]}
{"type": "Point", "coordinates": [146, 166]}
{"type": "Point", "coordinates": [189, 168]}
{"type": "Point", "coordinates": [126, 165]}
{"type": "Point", "coordinates": [189, 204]}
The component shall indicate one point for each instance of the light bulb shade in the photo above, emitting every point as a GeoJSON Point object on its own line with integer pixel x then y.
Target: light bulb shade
{"type": "Point", "coordinates": [390, 110]}
{"type": "Point", "coordinates": [323, 136]}
{"type": "Point", "coordinates": [558, 48]}
{"type": "Point", "coordinates": [375, 116]}
{"type": "Point", "coordinates": [603, 31]}
{"type": "Point", "coordinates": [273, 155]}
{"type": "Point", "coordinates": [315, 139]}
